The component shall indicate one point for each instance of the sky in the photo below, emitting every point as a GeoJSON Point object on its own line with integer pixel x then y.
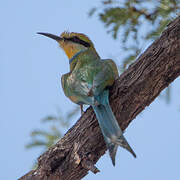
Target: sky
{"type": "Point", "coordinates": [30, 89]}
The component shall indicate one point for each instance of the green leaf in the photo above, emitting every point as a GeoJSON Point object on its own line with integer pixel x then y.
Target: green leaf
{"type": "Point", "coordinates": [92, 11]}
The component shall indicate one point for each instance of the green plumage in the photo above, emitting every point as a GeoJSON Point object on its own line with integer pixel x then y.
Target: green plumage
{"type": "Point", "coordinates": [88, 77]}
{"type": "Point", "coordinates": [87, 83]}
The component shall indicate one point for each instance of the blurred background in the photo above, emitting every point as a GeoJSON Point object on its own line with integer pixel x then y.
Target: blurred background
{"type": "Point", "coordinates": [34, 111]}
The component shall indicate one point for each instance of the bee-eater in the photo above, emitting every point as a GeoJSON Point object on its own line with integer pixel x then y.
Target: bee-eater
{"type": "Point", "coordinates": [88, 82]}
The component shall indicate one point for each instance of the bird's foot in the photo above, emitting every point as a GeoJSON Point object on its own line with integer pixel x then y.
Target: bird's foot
{"type": "Point", "coordinates": [82, 111]}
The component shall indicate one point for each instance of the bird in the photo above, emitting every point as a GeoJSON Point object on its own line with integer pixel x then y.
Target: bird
{"type": "Point", "coordinates": [88, 82]}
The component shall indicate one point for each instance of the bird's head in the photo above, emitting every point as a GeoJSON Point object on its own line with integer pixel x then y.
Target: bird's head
{"type": "Point", "coordinates": [72, 43]}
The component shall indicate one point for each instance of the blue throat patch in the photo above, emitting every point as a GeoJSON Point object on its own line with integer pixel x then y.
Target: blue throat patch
{"type": "Point", "coordinates": [71, 60]}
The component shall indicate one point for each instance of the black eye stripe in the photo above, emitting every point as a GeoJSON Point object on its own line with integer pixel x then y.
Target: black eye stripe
{"type": "Point", "coordinates": [77, 40]}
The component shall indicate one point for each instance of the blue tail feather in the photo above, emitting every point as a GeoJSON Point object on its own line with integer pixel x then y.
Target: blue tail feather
{"type": "Point", "coordinates": [111, 131]}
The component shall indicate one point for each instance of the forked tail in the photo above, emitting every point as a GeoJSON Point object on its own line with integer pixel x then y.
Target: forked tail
{"type": "Point", "coordinates": [112, 133]}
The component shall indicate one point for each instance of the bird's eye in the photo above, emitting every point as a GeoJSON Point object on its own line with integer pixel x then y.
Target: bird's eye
{"type": "Point", "coordinates": [80, 41]}
{"type": "Point", "coordinates": [65, 39]}
{"type": "Point", "coordinates": [75, 39]}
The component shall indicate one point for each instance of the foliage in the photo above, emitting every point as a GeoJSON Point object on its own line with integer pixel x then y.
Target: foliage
{"type": "Point", "coordinates": [135, 23]}
{"type": "Point", "coordinates": [46, 138]}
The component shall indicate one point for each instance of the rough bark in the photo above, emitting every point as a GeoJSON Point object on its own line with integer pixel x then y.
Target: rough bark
{"type": "Point", "coordinates": [81, 147]}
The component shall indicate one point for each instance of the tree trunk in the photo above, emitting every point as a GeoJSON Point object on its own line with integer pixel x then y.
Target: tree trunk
{"type": "Point", "coordinates": [81, 147]}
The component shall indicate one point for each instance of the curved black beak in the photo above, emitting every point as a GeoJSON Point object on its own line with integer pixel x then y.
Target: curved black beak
{"type": "Point", "coordinates": [52, 36]}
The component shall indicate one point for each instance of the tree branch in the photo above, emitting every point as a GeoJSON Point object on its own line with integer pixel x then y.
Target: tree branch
{"type": "Point", "coordinates": [81, 147]}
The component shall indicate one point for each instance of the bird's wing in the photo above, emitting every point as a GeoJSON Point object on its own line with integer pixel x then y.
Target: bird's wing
{"type": "Point", "coordinates": [113, 66]}
{"type": "Point", "coordinates": [105, 77]}
{"type": "Point", "coordinates": [76, 89]}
